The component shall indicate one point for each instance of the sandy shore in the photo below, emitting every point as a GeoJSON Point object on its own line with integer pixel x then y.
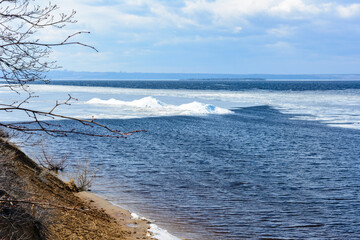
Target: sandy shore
{"type": "Point", "coordinates": [139, 227]}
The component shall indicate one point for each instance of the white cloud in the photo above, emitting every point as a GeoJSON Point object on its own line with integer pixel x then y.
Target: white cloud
{"type": "Point", "coordinates": [348, 11]}
{"type": "Point", "coordinates": [52, 35]}
{"type": "Point", "coordinates": [224, 9]}
{"type": "Point", "coordinates": [279, 45]}
{"type": "Point", "coordinates": [282, 31]}
{"type": "Point", "coordinates": [237, 29]}
{"type": "Point", "coordinates": [227, 15]}
{"type": "Point", "coordinates": [297, 7]}
{"type": "Point", "coordinates": [106, 18]}
{"type": "Point", "coordinates": [159, 22]}
{"type": "Point", "coordinates": [193, 39]}
{"type": "Point", "coordinates": [282, 47]}
{"type": "Point", "coordinates": [136, 52]}
{"type": "Point", "coordinates": [167, 16]}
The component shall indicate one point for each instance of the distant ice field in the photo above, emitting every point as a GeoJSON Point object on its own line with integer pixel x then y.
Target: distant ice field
{"type": "Point", "coordinates": [338, 108]}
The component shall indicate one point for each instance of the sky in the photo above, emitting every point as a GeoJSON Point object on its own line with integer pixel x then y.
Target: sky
{"type": "Point", "coordinates": [212, 36]}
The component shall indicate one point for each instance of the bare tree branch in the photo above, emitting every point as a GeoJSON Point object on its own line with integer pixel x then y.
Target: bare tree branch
{"type": "Point", "coordinates": [43, 126]}
{"type": "Point", "coordinates": [24, 59]}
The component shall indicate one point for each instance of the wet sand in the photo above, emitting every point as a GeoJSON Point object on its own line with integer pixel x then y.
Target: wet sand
{"type": "Point", "coordinates": [123, 217]}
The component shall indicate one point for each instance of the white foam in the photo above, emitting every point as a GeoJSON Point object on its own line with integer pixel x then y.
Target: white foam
{"type": "Point", "coordinates": [161, 234]}
{"type": "Point", "coordinates": [155, 231]}
{"type": "Point", "coordinates": [135, 216]}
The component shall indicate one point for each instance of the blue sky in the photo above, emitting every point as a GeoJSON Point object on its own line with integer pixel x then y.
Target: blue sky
{"type": "Point", "coordinates": [213, 36]}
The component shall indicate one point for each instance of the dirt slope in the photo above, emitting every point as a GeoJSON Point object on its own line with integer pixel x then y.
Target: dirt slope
{"type": "Point", "coordinates": [35, 204]}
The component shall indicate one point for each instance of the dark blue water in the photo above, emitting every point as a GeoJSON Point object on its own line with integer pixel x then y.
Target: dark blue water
{"type": "Point", "coordinates": [254, 174]}
{"type": "Point", "coordinates": [229, 85]}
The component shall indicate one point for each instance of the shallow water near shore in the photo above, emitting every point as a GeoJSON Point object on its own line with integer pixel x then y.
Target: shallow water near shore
{"type": "Point", "coordinates": [274, 167]}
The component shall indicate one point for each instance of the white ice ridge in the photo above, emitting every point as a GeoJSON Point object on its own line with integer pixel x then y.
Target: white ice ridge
{"type": "Point", "coordinates": [158, 108]}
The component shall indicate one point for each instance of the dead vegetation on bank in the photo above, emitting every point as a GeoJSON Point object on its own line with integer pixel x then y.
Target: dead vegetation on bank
{"type": "Point", "coordinates": [35, 204]}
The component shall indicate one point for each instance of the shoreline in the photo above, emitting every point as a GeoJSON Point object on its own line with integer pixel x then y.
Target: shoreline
{"type": "Point", "coordinates": [140, 226]}
{"type": "Point", "coordinates": [123, 217]}
{"type": "Point", "coordinates": [38, 204]}
{"type": "Point", "coordinates": [70, 214]}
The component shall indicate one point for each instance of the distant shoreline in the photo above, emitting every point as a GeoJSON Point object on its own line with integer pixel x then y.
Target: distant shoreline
{"type": "Point", "coordinates": [72, 75]}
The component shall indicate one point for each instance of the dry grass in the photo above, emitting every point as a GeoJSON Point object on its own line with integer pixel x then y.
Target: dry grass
{"type": "Point", "coordinates": [35, 204]}
{"type": "Point", "coordinates": [51, 162]}
{"type": "Point", "coordinates": [16, 220]}
{"type": "Point", "coordinates": [83, 175]}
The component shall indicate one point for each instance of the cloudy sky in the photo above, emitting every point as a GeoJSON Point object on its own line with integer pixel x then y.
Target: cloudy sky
{"type": "Point", "coordinates": [213, 36]}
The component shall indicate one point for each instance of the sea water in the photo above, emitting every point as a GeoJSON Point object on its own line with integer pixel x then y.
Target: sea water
{"type": "Point", "coordinates": [221, 159]}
